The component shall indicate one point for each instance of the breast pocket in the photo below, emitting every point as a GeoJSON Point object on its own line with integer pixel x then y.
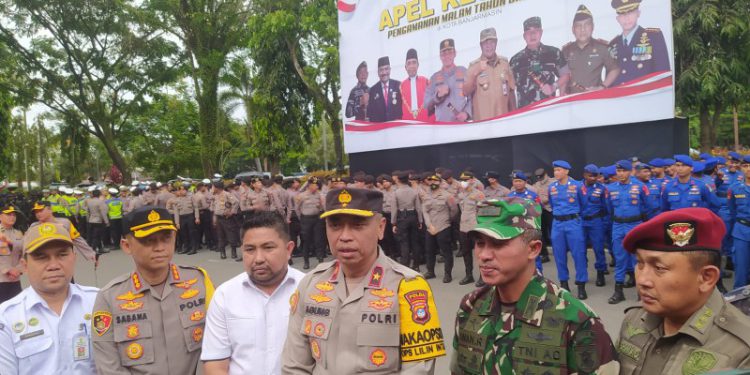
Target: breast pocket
{"type": "Point", "coordinates": [378, 349]}
{"type": "Point", "coordinates": [673, 198]}
{"type": "Point", "coordinates": [32, 352]}
{"type": "Point", "coordinates": [135, 343]}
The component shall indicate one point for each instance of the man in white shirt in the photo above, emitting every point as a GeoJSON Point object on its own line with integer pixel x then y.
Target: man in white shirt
{"type": "Point", "coordinates": [248, 315]}
{"type": "Point", "coordinates": [46, 328]}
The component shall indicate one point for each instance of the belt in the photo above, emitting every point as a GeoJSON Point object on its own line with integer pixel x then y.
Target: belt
{"type": "Point", "coordinates": [595, 216]}
{"type": "Point", "coordinates": [405, 210]}
{"type": "Point", "coordinates": [566, 217]}
{"type": "Point", "coordinates": [627, 219]}
{"type": "Point", "coordinates": [744, 222]}
{"type": "Point", "coordinates": [316, 216]}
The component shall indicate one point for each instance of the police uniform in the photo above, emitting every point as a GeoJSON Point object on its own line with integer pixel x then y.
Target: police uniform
{"type": "Point", "coordinates": [468, 200]}
{"type": "Point", "coordinates": [406, 216]}
{"type": "Point", "coordinates": [36, 340]}
{"type": "Point", "coordinates": [693, 193]}
{"type": "Point", "coordinates": [594, 228]}
{"type": "Point", "coordinates": [386, 324]}
{"type": "Point", "coordinates": [534, 68]}
{"type": "Point", "coordinates": [185, 215]}
{"type": "Point", "coordinates": [10, 257]}
{"type": "Point", "coordinates": [139, 330]}
{"type": "Point", "coordinates": [114, 214]}
{"type": "Point", "coordinates": [716, 335]}
{"type": "Point", "coordinates": [586, 63]}
{"type": "Point", "coordinates": [492, 89]}
{"type": "Point", "coordinates": [224, 207]}
{"type": "Point", "coordinates": [446, 108]}
{"type": "Point", "coordinates": [79, 244]}
{"type": "Point", "coordinates": [438, 207]}
{"type": "Point", "coordinates": [309, 207]}
{"type": "Point", "coordinates": [728, 178]}
{"type": "Point", "coordinates": [642, 52]}
{"type": "Point", "coordinates": [738, 203]}
{"type": "Point", "coordinates": [546, 331]}
{"type": "Point", "coordinates": [98, 222]}
{"type": "Point", "coordinates": [201, 202]}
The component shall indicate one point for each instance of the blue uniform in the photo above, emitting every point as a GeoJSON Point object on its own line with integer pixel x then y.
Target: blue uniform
{"type": "Point", "coordinates": [594, 227]}
{"type": "Point", "coordinates": [693, 193]}
{"type": "Point", "coordinates": [645, 53]}
{"type": "Point", "coordinates": [654, 197]}
{"type": "Point", "coordinates": [567, 228]}
{"type": "Point", "coordinates": [628, 203]}
{"type": "Point", "coordinates": [738, 203]}
{"type": "Point", "coordinates": [722, 186]}
{"type": "Point", "coordinates": [532, 196]}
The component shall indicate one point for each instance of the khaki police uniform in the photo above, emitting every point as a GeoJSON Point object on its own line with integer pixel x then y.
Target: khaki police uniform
{"type": "Point", "coordinates": [491, 89]}
{"type": "Point", "coordinates": [387, 324]}
{"type": "Point", "coordinates": [137, 330]}
{"type": "Point", "coordinates": [10, 257]}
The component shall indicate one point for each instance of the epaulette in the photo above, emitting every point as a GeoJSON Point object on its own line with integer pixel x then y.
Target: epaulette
{"type": "Point", "coordinates": [567, 45]}
{"type": "Point", "coordinates": [501, 58]}
{"type": "Point", "coordinates": [117, 280]}
{"type": "Point", "coordinates": [475, 61]}
{"type": "Point", "coordinates": [323, 266]}
{"type": "Point", "coordinates": [630, 308]}
{"type": "Point", "coordinates": [602, 41]}
{"type": "Point", "coordinates": [405, 271]}
{"type": "Point", "coordinates": [733, 318]}
{"type": "Point", "coordinates": [653, 30]}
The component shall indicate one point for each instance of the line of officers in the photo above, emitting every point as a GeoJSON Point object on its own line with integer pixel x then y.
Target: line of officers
{"type": "Point", "coordinates": [363, 312]}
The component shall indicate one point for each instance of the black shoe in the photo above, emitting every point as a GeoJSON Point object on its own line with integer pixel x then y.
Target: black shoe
{"type": "Point", "coordinates": [564, 285]}
{"type": "Point", "coordinates": [192, 252]}
{"type": "Point", "coordinates": [480, 283]}
{"type": "Point", "coordinates": [181, 251]}
{"type": "Point", "coordinates": [223, 255]}
{"type": "Point", "coordinates": [238, 259]}
{"type": "Point", "coordinates": [618, 296]}
{"type": "Point", "coordinates": [459, 254]}
{"type": "Point", "coordinates": [545, 258]}
{"type": "Point", "coordinates": [466, 280]}
{"type": "Point", "coordinates": [606, 272]}
{"type": "Point", "coordinates": [720, 287]}
{"type": "Point", "coordinates": [727, 274]}
{"type": "Point", "coordinates": [321, 260]}
{"type": "Point", "coordinates": [612, 262]}
{"type": "Point", "coordinates": [447, 279]}
{"type": "Point", "coordinates": [440, 259]}
{"type": "Point", "coordinates": [630, 281]}
{"type": "Point", "coordinates": [234, 253]}
{"type": "Point", "coordinates": [429, 275]}
{"type": "Point", "coordinates": [582, 292]}
{"type": "Point", "coordinates": [729, 265]}
{"type": "Point", "coordinates": [103, 251]}
{"type": "Point", "coordinates": [600, 278]}
{"type": "Point", "coordinates": [306, 266]}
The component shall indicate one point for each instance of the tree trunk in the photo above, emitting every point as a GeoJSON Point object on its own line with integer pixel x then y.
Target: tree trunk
{"type": "Point", "coordinates": [207, 108]}
{"type": "Point", "coordinates": [336, 128]}
{"type": "Point", "coordinates": [117, 158]}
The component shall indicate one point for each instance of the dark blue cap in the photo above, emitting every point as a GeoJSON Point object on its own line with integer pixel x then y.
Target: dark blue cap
{"type": "Point", "coordinates": [699, 167]}
{"type": "Point", "coordinates": [711, 163]}
{"type": "Point", "coordinates": [561, 164]}
{"type": "Point", "coordinates": [518, 175]}
{"type": "Point", "coordinates": [609, 171]}
{"type": "Point", "coordinates": [591, 168]}
{"type": "Point", "coordinates": [704, 156]}
{"type": "Point", "coordinates": [684, 159]}
{"type": "Point", "coordinates": [721, 160]}
{"type": "Point", "coordinates": [734, 156]}
{"type": "Point", "coordinates": [656, 163]}
{"type": "Point", "coordinates": [624, 164]}
{"type": "Point", "coordinates": [640, 166]}
{"type": "Point", "coordinates": [746, 159]}
{"type": "Point", "coordinates": [668, 162]}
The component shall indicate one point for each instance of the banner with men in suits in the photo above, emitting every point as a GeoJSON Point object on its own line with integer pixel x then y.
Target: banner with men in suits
{"type": "Point", "coordinates": [425, 72]}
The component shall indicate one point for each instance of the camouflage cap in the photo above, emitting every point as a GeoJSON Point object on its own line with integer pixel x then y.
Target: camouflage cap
{"type": "Point", "coordinates": [487, 34]}
{"type": "Point", "coordinates": [532, 22]}
{"type": "Point", "coordinates": [508, 218]}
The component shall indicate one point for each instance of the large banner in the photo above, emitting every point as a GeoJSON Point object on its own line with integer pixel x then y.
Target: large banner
{"type": "Point", "coordinates": [424, 72]}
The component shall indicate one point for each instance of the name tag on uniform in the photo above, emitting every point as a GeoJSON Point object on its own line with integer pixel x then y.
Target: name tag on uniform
{"type": "Point", "coordinates": [32, 334]}
{"type": "Point", "coordinates": [740, 196]}
{"type": "Point", "coordinates": [81, 348]}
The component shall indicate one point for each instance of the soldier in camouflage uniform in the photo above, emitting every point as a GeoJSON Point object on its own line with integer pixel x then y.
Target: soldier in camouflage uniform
{"type": "Point", "coordinates": [356, 105]}
{"type": "Point", "coordinates": [539, 70]}
{"type": "Point", "coordinates": [520, 322]}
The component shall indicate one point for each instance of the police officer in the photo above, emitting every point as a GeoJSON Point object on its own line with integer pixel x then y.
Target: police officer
{"type": "Point", "coordinates": [587, 57]}
{"type": "Point", "coordinates": [43, 214]}
{"type": "Point", "coordinates": [489, 82]}
{"type": "Point", "coordinates": [310, 204]}
{"type": "Point", "coordinates": [114, 214]}
{"type": "Point", "coordinates": [11, 249]}
{"type": "Point", "coordinates": [406, 217]}
{"type": "Point", "coordinates": [520, 190]}
{"type": "Point", "coordinates": [292, 217]}
{"type": "Point", "coordinates": [639, 51]}
{"type": "Point", "coordinates": [356, 105]}
{"type": "Point", "coordinates": [539, 70]}
{"type": "Point", "coordinates": [151, 320]}
{"type": "Point", "coordinates": [445, 96]}
{"type": "Point", "coordinates": [494, 190]}
{"type": "Point", "coordinates": [738, 203]}
{"type": "Point", "coordinates": [566, 197]}
{"type": "Point", "coordinates": [643, 174]}
{"type": "Point", "coordinates": [224, 208]}
{"type": "Point", "coordinates": [594, 211]}
{"type": "Point", "coordinates": [521, 322]}
{"type": "Point", "coordinates": [363, 312]}
{"type": "Point", "coordinates": [685, 190]}
{"type": "Point", "coordinates": [46, 329]}
{"type": "Point", "coordinates": [689, 329]}
{"type": "Point", "coordinates": [468, 198]}
{"type": "Point", "coordinates": [202, 202]}
{"type": "Point", "coordinates": [388, 242]}
{"type": "Point", "coordinates": [628, 205]}
{"type": "Point", "coordinates": [438, 206]}
{"type": "Point", "coordinates": [98, 221]}
{"type": "Point", "coordinates": [187, 216]}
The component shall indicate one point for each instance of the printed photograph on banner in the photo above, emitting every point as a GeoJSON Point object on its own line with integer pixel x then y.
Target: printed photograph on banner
{"type": "Point", "coordinates": [424, 72]}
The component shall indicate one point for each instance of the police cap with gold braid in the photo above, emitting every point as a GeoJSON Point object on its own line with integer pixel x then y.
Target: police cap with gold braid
{"type": "Point", "coordinates": [625, 6]}
{"type": "Point", "coordinates": [352, 201]}
{"type": "Point", "coordinates": [147, 220]}
{"type": "Point", "coordinates": [582, 13]}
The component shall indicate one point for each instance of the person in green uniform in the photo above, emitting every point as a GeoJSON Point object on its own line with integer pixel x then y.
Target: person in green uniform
{"type": "Point", "coordinates": [521, 322]}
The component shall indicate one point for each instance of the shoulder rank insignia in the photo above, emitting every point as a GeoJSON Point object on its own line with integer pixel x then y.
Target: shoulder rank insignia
{"type": "Point", "coordinates": [631, 331]}
{"type": "Point", "coordinates": [320, 298]}
{"type": "Point", "coordinates": [376, 278]}
{"type": "Point", "coordinates": [131, 305]}
{"type": "Point", "coordinates": [186, 284]}
{"type": "Point", "coordinates": [190, 293]}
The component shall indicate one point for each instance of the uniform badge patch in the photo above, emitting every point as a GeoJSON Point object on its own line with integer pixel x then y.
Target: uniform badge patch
{"type": "Point", "coordinates": [308, 326]}
{"type": "Point", "coordinates": [186, 284]}
{"type": "Point", "coordinates": [320, 329]}
{"type": "Point", "coordinates": [315, 348]}
{"type": "Point", "coordinates": [324, 286]}
{"type": "Point", "coordinates": [376, 278]}
{"type": "Point", "coordinates": [699, 362]}
{"type": "Point", "coordinates": [681, 234]}
{"type": "Point", "coordinates": [133, 331]}
{"type": "Point", "coordinates": [86, 316]}
{"type": "Point", "coordinates": [417, 300]}
{"type": "Point", "coordinates": [190, 293]}
{"type": "Point", "coordinates": [345, 197]}
{"type": "Point", "coordinates": [131, 306]}
{"type": "Point", "coordinates": [378, 357]}
{"type": "Point", "coordinates": [134, 350]}
{"type": "Point", "coordinates": [293, 301]}
{"type": "Point", "coordinates": [102, 320]}
{"type": "Point", "coordinates": [197, 315]}
{"type": "Point", "coordinates": [380, 304]}
{"type": "Point", "coordinates": [136, 281]}
{"type": "Point", "coordinates": [320, 298]}
{"type": "Point", "coordinates": [18, 327]}
{"type": "Point", "coordinates": [33, 322]}
{"type": "Point", "coordinates": [175, 273]}
{"type": "Point", "coordinates": [129, 296]}
{"type": "Point", "coordinates": [197, 334]}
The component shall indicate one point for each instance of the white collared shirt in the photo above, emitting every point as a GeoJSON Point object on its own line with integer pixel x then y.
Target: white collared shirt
{"type": "Point", "coordinates": [248, 326]}
{"type": "Point", "coordinates": [413, 86]}
{"type": "Point", "coordinates": [34, 340]}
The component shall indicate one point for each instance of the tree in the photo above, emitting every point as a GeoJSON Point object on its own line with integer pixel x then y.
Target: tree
{"type": "Point", "coordinates": [710, 59]}
{"type": "Point", "coordinates": [308, 30]}
{"type": "Point", "coordinates": [210, 31]}
{"type": "Point", "coordinates": [96, 61]}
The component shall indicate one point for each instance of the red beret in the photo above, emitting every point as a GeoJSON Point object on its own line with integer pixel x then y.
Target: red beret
{"type": "Point", "coordinates": [685, 229]}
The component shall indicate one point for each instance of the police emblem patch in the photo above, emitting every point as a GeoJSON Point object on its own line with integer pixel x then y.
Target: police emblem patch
{"type": "Point", "coordinates": [320, 329]}
{"type": "Point", "coordinates": [345, 197]}
{"type": "Point", "coordinates": [699, 362]}
{"type": "Point", "coordinates": [153, 216]}
{"type": "Point", "coordinates": [197, 315]}
{"type": "Point", "coordinates": [293, 301]}
{"type": "Point", "coordinates": [680, 234]}
{"type": "Point", "coordinates": [197, 334]}
{"type": "Point", "coordinates": [133, 331]}
{"type": "Point", "coordinates": [378, 357]}
{"type": "Point", "coordinates": [134, 351]}
{"type": "Point", "coordinates": [417, 300]}
{"type": "Point", "coordinates": [315, 349]}
{"type": "Point", "coordinates": [102, 320]}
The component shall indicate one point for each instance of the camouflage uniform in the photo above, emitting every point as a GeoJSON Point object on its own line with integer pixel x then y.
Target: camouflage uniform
{"type": "Point", "coordinates": [534, 68]}
{"type": "Point", "coordinates": [547, 329]}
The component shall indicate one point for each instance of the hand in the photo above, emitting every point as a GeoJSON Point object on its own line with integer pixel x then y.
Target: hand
{"type": "Point", "coordinates": [443, 91]}
{"type": "Point", "coordinates": [364, 99]}
{"type": "Point", "coordinates": [548, 90]}
{"type": "Point", "coordinates": [595, 88]}
{"type": "Point", "coordinates": [197, 221]}
{"type": "Point", "coordinates": [462, 116]}
{"type": "Point", "coordinates": [482, 66]}
{"type": "Point", "coordinates": [432, 230]}
{"type": "Point", "coordinates": [177, 226]}
{"type": "Point", "coordinates": [13, 274]}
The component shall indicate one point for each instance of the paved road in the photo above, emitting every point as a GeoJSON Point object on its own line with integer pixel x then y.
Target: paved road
{"type": "Point", "coordinates": [447, 296]}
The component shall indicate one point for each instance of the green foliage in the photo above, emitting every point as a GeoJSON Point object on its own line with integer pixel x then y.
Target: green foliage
{"type": "Point", "coordinates": [5, 120]}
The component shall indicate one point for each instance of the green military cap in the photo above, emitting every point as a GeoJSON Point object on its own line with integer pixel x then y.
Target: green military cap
{"type": "Point", "coordinates": [582, 13]}
{"type": "Point", "coordinates": [625, 6]}
{"type": "Point", "coordinates": [532, 22]}
{"type": "Point", "coordinates": [508, 218]}
{"type": "Point", "coordinates": [352, 201]}
{"type": "Point", "coordinates": [447, 44]}
{"type": "Point", "coordinates": [487, 34]}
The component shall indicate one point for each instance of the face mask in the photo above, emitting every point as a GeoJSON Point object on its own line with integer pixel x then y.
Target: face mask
{"type": "Point", "coordinates": [434, 186]}
{"type": "Point", "coordinates": [464, 184]}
